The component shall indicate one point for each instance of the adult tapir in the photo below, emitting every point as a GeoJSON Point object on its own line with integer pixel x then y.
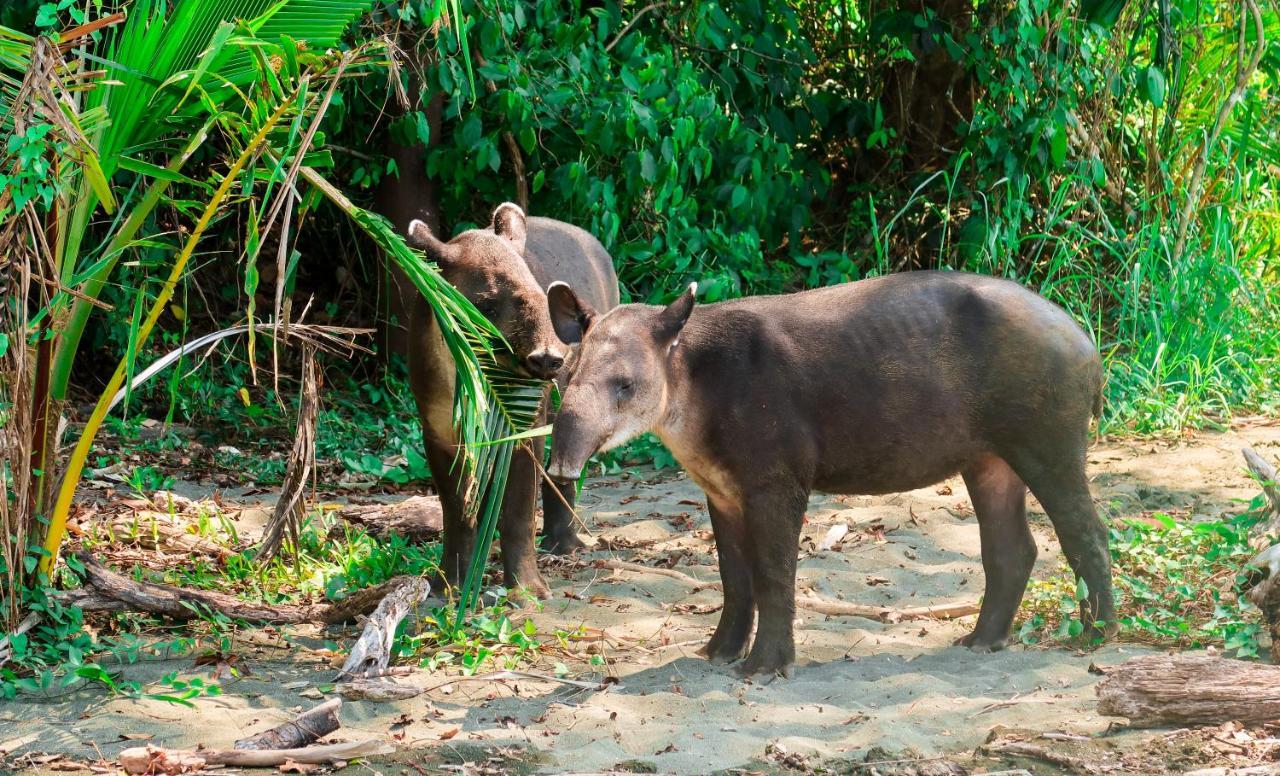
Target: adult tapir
{"type": "Point", "coordinates": [503, 270]}
{"type": "Point", "coordinates": [877, 386]}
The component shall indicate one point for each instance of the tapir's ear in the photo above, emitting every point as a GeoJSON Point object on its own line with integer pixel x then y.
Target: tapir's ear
{"type": "Point", "coordinates": [672, 318]}
{"type": "Point", "coordinates": [570, 316]}
{"type": "Point", "coordinates": [508, 222]}
{"type": "Point", "coordinates": [420, 237]}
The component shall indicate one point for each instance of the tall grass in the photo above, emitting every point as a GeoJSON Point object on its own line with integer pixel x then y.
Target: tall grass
{"type": "Point", "coordinates": [1188, 340]}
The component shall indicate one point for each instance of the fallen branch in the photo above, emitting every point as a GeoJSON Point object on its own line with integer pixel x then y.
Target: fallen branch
{"type": "Point", "coordinates": [885, 613]}
{"type": "Point", "coordinates": [622, 565]}
{"type": "Point", "coordinates": [150, 759]}
{"type": "Point", "coordinates": [1044, 754]}
{"type": "Point", "coordinates": [377, 690]}
{"type": "Point", "coordinates": [184, 603]}
{"type": "Point", "coordinates": [371, 654]}
{"type": "Point", "coordinates": [499, 676]}
{"type": "Point", "coordinates": [1159, 690]}
{"type": "Point", "coordinates": [309, 727]}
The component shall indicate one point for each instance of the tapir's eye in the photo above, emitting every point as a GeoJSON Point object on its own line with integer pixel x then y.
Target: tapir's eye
{"type": "Point", "coordinates": [623, 389]}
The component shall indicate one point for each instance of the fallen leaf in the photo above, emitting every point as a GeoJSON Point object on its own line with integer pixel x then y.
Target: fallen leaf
{"type": "Point", "coordinates": [450, 733]}
{"type": "Point", "coordinates": [290, 766]}
{"type": "Point", "coordinates": [135, 736]}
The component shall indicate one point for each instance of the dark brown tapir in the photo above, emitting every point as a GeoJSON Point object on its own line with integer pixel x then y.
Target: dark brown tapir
{"type": "Point", "coordinates": [878, 386]}
{"type": "Point", "coordinates": [503, 270]}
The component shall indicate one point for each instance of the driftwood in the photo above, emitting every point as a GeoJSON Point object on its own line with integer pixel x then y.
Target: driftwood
{"type": "Point", "coordinates": [639, 568]}
{"type": "Point", "coordinates": [376, 690]}
{"type": "Point", "coordinates": [150, 759]}
{"type": "Point", "coordinates": [27, 624]}
{"type": "Point", "coordinates": [183, 603]}
{"type": "Point", "coordinates": [309, 727]}
{"type": "Point", "coordinates": [371, 654]}
{"type": "Point", "coordinates": [418, 519]}
{"type": "Point", "coordinates": [1160, 690]}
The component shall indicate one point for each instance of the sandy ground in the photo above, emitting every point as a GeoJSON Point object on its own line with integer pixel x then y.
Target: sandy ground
{"type": "Point", "coordinates": [861, 685]}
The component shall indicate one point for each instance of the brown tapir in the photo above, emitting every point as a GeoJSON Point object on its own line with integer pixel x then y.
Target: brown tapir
{"type": "Point", "coordinates": [503, 270]}
{"type": "Point", "coordinates": [878, 386]}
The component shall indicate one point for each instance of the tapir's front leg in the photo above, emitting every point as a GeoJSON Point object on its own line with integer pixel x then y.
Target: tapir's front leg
{"type": "Point", "coordinates": [729, 642]}
{"type": "Point", "coordinates": [520, 567]}
{"type": "Point", "coordinates": [773, 519]}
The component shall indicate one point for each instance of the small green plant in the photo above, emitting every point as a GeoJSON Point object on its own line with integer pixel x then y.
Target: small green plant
{"type": "Point", "coordinates": [488, 634]}
{"type": "Point", "coordinates": [1178, 583]}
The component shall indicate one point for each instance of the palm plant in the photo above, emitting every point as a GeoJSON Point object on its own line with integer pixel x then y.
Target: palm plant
{"type": "Point", "coordinates": [249, 80]}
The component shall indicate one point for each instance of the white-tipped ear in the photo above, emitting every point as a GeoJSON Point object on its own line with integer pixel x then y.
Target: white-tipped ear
{"type": "Point", "coordinates": [693, 288]}
{"type": "Point", "coordinates": [509, 222]}
{"type": "Point", "coordinates": [673, 317]}
{"type": "Point", "coordinates": [420, 237]}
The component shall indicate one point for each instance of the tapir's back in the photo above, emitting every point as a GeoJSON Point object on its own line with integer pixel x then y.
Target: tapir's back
{"type": "Point", "coordinates": [556, 250]}
{"type": "Point", "coordinates": [890, 383]}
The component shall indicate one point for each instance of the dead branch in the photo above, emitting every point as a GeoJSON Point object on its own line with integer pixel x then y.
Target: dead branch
{"type": "Point", "coordinates": [371, 654]}
{"type": "Point", "coordinates": [27, 624]}
{"type": "Point", "coordinates": [1044, 754]}
{"type": "Point", "coordinates": [150, 759]}
{"type": "Point", "coordinates": [306, 729]}
{"type": "Point", "coordinates": [622, 565]}
{"type": "Point", "coordinates": [885, 613]}
{"type": "Point", "coordinates": [1158, 690]}
{"type": "Point", "coordinates": [184, 603]}
{"type": "Point", "coordinates": [376, 690]}
{"type": "Point", "coordinates": [302, 460]}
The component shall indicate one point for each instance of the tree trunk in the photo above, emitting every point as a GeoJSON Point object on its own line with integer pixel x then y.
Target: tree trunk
{"type": "Point", "coordinates": [1160, 690]}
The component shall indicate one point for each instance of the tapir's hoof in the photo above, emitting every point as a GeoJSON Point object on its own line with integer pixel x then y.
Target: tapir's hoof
{"type": "Point", "coordinates": [528, 587]}
{"type": "Point", "coordinates": [764, 674]}
{"type": "Point", "coordinates": [1096, 634]}
{"type": "Point", "coordinates": [566, 543]}
{"type": "Point", "coordinates": [768, 662]}
{"type": "Point", "coordinates": [722, 653]}
{"type": "Point", "coordinates": [982, 645]}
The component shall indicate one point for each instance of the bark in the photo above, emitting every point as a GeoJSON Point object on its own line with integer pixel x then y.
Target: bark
{"type": "Point", "coordinates": [1179, 690]}
{"type": "Point", "coordinates": [309, 727]}
{"type": "Point", "coordinates": [418, 518]}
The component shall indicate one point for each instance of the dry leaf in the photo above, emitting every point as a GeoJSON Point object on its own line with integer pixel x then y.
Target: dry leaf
{"type": "Point", "coordinates": [450, 733]}
{"type": "Point", "coordinates": [290, 766]}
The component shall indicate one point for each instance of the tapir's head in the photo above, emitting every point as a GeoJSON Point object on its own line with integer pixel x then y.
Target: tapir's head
{"type": "Point", "coordinates": [619, 384]}
{"type": "Point", "coordinates": [488, 267]}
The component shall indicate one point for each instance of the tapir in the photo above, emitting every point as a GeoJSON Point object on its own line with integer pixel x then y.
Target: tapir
{"type": "Point", "coordinates": [877, 386]}
{"type": "Point", "coordinates": [503, 270]}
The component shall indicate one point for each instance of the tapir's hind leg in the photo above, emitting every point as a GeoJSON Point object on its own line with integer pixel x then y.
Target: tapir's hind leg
{"type": "Point", "coordinates": [1008, 549]}
{"type": "Point", "coordinates": [1059, 481]}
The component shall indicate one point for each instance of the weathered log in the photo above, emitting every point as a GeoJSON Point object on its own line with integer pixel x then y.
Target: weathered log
{"type": "Point", "coordinates": [306, 729]}
{"type": "Point", "coordinates": [1159, 690]}
{"type": "Point", "coordinates": [418, 519]}
{"type": "Point", "coordinates": [1272, 769]}
{"type": "Point", "coordinates": [150, 759]}
{"type": "Point", "coordinates": [182, 603]}
{"type": "Point", "coordinates": [371, 654]}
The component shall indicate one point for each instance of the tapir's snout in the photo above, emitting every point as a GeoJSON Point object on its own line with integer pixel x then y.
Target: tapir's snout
{"type": "Point", "coordinates": [544, 363]}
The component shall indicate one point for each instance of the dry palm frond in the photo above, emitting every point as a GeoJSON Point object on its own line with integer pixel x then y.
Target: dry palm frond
{"type": "Point", "coordinates": [302, 459]}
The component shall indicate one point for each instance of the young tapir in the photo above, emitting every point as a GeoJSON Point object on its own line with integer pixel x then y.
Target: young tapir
{"type": "Point", "coordinates": [878, 386]}
{"type": "Point", "coordinates": [503, 270]}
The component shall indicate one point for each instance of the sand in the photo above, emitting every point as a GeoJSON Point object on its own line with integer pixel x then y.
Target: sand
{"type": "Point", "coordinates": [859, 684]}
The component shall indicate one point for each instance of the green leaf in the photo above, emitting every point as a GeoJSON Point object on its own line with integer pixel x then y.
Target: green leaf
{"type": "Point", "coordinates": [1154, 86]}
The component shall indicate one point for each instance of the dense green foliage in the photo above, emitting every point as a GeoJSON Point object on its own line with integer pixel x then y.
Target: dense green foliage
{"type": "Point", "coordinates": [1120, 158]}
